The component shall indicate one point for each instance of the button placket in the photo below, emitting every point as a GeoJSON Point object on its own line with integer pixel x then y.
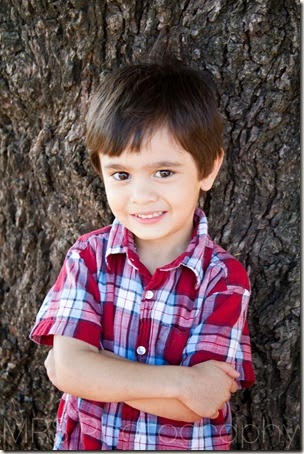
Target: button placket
{"type": "Point", "coordinates": [149, 294]}
{"type": "Point", "coordinates": [143, 337]}
{"type": "Point", "coordinates": [141, 350]}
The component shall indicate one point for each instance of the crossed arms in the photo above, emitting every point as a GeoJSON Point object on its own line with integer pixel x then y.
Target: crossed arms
{"type": "Point", "coordinates": [174, 392]}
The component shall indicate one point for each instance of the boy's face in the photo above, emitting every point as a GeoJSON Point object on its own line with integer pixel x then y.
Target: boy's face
{"type": "Point", "coordinates": [154, 193]}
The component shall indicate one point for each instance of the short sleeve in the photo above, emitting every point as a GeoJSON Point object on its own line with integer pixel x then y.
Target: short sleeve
{"type": "Point", "coordinates": [72, 306]}
{"type": "Point", "coordinates": [222, 332]}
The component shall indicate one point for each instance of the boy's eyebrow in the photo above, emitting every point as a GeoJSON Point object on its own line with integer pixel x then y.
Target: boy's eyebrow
{"type": "Point", "coordinates": [157, 164]}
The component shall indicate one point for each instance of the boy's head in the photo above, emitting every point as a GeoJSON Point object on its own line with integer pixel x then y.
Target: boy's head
{"type": "Point", "coordinates": [133, 102]}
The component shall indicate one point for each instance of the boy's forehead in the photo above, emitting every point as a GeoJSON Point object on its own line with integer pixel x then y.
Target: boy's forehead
{"type": "Point", "coordinates": [160, 147]}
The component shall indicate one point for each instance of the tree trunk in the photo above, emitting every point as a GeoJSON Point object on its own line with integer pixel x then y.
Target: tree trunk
{"type": "Point", "coordinates": [51, 57]}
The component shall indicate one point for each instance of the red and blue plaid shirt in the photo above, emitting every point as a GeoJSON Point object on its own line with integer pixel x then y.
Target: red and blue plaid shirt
{"type": "Point", "coordinates": [191, 310]}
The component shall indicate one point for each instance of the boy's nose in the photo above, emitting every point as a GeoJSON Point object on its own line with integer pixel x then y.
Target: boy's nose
{"type": "Point", "coordinates": [142, 193]}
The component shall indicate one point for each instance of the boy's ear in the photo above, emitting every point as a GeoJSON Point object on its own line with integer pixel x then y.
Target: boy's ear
{"type": "Point", "coordinates": [207, 182]}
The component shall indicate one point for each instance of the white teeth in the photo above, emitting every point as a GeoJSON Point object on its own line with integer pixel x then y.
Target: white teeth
{"type": "Point", "coordinates": [149, 216]}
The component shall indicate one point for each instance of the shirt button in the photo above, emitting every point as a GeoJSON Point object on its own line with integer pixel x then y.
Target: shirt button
{"type": "Point", "coordinates": [141, 350]}
{"type": "Point", "coordinates": [149, 294]}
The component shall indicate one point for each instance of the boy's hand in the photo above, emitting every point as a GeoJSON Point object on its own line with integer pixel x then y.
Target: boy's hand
{"type": "Point", "coordinates": [210, 387]}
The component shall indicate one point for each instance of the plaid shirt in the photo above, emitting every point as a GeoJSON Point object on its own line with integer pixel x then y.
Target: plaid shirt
{"type": "Point", "coordinates": [191, 310]}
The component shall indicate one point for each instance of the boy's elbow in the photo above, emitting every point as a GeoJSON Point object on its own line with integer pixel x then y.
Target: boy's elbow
{"type": "Point", "coordinates": [65, 365]}
{"type": "Point", "coordinates": [56, 371]}
{"type": "Point", "coordinates": [49, 365]}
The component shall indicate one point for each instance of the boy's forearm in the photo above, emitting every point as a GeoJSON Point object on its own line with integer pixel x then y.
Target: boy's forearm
{"type": "Point", "coordinates": [90, 375]}
{"type": "Point", "coordinates": [81, 370]}
{"type": "Point", "coordinates": [167, 408]}
{"type": "Point", "coordinates": [175, 408]}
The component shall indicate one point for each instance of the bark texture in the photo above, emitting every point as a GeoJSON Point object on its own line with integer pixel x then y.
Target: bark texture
{"type": "Point", "coordinates": [52, 55]}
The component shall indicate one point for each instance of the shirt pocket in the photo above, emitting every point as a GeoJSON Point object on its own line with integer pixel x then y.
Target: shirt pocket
{"type": "Point", "coordinates": [170, 343]}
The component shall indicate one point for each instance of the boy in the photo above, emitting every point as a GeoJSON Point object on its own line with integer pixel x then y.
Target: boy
{"type": "Point", "coordinates": [147, 318]}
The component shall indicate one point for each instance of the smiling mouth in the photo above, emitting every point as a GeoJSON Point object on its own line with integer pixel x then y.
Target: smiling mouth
{"type": "Point", "coordinates": [156, 214]}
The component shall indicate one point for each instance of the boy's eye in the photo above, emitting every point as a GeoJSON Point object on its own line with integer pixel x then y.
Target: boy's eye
{"type": "Point", "coordinates": [121, 176]}
{"type": "Point", "coordinates": [163, 173]}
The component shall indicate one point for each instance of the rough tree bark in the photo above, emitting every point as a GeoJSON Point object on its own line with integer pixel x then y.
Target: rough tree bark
{"type": "Point", "coordinates": [52, 53]}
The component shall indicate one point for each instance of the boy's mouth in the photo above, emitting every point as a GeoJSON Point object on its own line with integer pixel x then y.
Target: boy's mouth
{"type": "Point", "coordinates": [155, 214]}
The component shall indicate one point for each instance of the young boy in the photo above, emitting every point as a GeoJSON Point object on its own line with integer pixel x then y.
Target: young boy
{"type": "Point", "coordinates": [147, 318]}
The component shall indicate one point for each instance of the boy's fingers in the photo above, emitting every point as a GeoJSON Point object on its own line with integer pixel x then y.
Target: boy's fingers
{"type": "Point", "coordinates": [227, 368]}
{"type": "Point", "coordinates": [234, 387]}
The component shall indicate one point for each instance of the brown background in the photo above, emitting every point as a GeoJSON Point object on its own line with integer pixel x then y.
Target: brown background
{"type": "Point", "coordinates": [52, 53]}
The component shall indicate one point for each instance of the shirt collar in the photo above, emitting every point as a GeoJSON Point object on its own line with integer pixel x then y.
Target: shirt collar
{"type": "Point", "coordinates": [195, 251]}
{"type": "Point", "coordinates": [121, 241]}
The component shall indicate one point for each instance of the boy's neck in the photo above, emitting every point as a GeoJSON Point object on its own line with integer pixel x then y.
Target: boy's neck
{"type": "Point", "coordinates": [154, 254]}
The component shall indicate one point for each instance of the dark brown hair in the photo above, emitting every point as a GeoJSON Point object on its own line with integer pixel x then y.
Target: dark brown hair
{"type": "Point", "coordinates": [132, 102]}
